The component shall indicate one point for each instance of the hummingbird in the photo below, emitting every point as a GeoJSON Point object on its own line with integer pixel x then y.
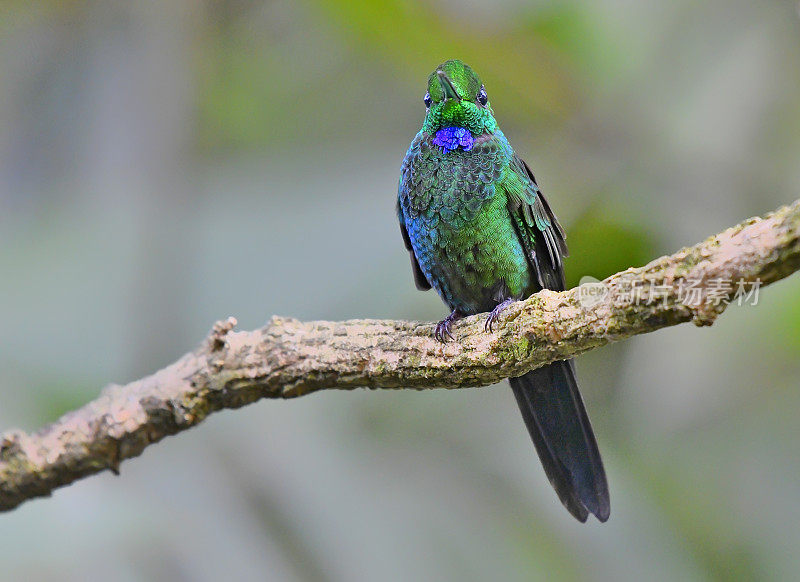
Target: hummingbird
{"type": "Point", "coordinates": [480, 232]}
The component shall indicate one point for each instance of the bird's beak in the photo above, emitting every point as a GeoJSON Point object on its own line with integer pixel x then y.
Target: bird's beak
{"type": "Point", "coordinates": [447, 86]}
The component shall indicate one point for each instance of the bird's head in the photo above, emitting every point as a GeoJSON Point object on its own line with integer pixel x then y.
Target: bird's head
{"type": "Point", "coordinates": [456, 98]}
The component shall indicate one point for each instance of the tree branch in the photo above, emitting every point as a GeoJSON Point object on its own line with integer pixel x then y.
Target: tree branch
{"type": "Point", "coordinates": [290, 358]}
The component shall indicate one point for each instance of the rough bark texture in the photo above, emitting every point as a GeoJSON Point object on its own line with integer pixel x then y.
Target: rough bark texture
{"type": "Point", "coordinates": [290, 358]}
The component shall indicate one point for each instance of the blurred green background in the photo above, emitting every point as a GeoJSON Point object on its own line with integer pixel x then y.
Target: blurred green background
{"type": "Point", "coordinates": [166, 164]}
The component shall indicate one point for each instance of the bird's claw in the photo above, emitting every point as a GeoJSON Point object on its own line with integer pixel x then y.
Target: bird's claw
{"type": "Point", "coordinates": [443, 331]}
{"type": "Point", "coordinates": [443, 328]}
{"type": "Point", "coordinates": [487, 327]}
{"type": "Point", "coordinates": [494, 316]}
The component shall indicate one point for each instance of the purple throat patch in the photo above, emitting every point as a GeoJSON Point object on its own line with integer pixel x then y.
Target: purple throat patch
{"type": "Point", "coordinates": [450, 138]}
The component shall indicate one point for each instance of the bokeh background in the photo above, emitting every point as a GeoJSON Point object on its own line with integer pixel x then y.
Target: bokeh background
{"type": "Point", "coordinates": [166, 164]}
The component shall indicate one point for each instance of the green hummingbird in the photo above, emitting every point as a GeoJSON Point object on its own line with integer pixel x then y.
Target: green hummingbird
{"type": "Point", "coordinates": [480, 232]}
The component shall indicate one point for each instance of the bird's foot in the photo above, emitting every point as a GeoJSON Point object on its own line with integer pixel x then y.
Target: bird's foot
{"type": "Point", "coordinates": [495, 314]}
{"type": "Point", "coordinates": [443, 327]}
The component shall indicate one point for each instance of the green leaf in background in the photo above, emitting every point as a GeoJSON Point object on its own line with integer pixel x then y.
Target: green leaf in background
{"type": "Point", "coordinates": [601, 245]}
{"type": "Point", "coordinates": [415, 37]}
{"type": "Point", "coordinates": [571, 31]}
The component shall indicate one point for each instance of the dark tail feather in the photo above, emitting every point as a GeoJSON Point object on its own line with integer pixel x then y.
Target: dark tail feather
{"type": "Point", "coordinates": [556, 419]}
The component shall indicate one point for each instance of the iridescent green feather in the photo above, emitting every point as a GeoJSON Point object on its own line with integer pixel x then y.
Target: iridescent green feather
{"type": "Point", "coordinates": [480, 232]}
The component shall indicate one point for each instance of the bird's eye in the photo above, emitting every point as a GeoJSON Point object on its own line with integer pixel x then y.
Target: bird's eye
{"type": "Point", "coordinates": [427, 99]}
{"type": "Point", "coordinates": [483, 99]}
